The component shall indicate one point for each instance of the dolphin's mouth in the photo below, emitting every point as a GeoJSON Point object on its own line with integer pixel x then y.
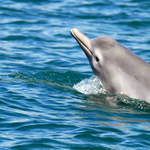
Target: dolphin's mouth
{"type": "Point", "coordinates": [83, 41]}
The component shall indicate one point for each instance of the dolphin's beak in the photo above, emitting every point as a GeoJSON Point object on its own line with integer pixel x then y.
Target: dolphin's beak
{"type": "Point", "coordinates": [83, 41]}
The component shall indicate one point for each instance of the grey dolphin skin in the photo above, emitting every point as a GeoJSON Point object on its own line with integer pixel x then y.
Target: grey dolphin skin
{"type": "Point", "coordinates": [119, 70]}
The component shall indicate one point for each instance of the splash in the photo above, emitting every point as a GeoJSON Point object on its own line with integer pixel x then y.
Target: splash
{"type": "Point", "coordinates": [90, 85]}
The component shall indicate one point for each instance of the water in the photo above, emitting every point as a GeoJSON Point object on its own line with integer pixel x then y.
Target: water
{"type": "Point", "coordinates": [41, 62]}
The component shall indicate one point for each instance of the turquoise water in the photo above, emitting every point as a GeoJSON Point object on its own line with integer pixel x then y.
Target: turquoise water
{"type": "Point", "coordinates": [41, 62]}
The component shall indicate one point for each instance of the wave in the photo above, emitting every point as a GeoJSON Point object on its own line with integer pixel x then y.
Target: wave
{"type": "Point", "coordinates": [92, 86]}
{"type": "Point", "coordinates": [68, 78]}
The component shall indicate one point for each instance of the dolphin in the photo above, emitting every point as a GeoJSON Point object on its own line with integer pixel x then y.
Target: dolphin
{"type": "Point", "coordinates": [119, 70]}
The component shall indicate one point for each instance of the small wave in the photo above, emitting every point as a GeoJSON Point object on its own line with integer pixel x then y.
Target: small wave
{"type": "Point", "coordinates": [54, 77]}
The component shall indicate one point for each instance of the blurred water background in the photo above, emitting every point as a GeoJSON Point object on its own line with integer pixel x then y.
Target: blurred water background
{"type": "Point", "coordinates": [40, 62]}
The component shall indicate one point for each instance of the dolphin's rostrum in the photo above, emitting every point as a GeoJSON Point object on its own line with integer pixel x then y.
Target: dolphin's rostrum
{"type": "Point", "coordinates": [119, 70]}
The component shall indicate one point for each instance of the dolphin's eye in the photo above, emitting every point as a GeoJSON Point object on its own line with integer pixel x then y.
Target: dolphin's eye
{"type": "Point", "coordinates": [97, 59]}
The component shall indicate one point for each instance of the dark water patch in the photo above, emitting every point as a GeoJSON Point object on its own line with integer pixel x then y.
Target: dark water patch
{"type": "Point", "coordinates": [96, 3]}
{"type": "Point", "coordinates": [38, 1]}
{"type": "Point", "coordinates": [7, 10]}
{"type": "Point", "coordinates": [25, 23]}
{"type": "Point", "coordinates": [38, 145]}
{"type": "Point", "coordinates": [121, 101]}
{"type": "Point", "coordinates": [63, 78]}
{"type": "Point", "coordinates": [20, 38]}
{"type": "Point", "coordinates": [136, 103]}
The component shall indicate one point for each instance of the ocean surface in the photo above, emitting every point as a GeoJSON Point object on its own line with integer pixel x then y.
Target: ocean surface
{"type": "Point", "coordinates": [47, 99]}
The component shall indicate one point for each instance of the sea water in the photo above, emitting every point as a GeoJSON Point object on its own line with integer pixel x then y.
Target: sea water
{"type": "Point", "coordinates": [49, 98]}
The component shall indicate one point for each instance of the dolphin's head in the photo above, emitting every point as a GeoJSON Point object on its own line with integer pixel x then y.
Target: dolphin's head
{"type": "Point", "coordinates": [97, 51]}
{"type": "Point", "coordinates": [119, 70]}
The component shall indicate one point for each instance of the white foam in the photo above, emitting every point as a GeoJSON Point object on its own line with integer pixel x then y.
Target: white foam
{"type": "Point", "coordinates": [90, 85]}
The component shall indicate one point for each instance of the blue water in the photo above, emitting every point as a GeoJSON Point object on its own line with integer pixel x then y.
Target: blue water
{"type": "Point", "coordinates": [40, 62]}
